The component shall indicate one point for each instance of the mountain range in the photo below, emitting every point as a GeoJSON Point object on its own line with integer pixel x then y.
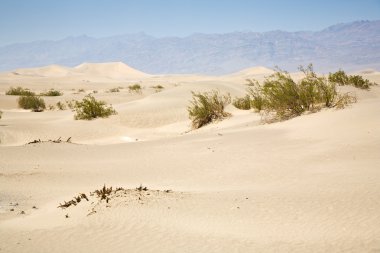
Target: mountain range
{"type": "Point", "coordinates": [351, 46]}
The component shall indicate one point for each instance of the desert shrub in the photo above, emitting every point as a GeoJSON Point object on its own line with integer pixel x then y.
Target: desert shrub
{"type": "Point", "coordinates": [281, 96]}
{"type": "Point", "coordinates": [71, 104]}
{"type": "Point", "coordinates": [135, 88]}
{"type": "Point", "coordinates": [338, 77]}
{"type": "Point", "coordinates": [35, 103]}
{"type": "Point", "coordinates": [360, 82]}
{"type": "Point", "coordinates": [19, 91]}
{"type": "Point", "coordinates": [114, 90]}
{"type": "Point", "coordinates": [343, 100]}
{"type": "Point", "coordinates": [81, 90]}
{"type": "Point", "coordinates": [243, 103]}
{"type": "Point", "coordinates": [61, 106]}
{"type": "Point", "coordinates": [90, 108]}
{"type": "Point", "coordinates": [52, 93]}
{"type": "Point", "coordinates": [1, 113]}
{"type": "Point", "coordinates": [341, 78]}
{"type": "Point", "coordinates": [51, 107]}
{"type": "Point", "coordinates": [207, 107]}
{"type": "Point", "coordinates": [158, 88]}
{"type": "Point", "coordinates": [255, 93]}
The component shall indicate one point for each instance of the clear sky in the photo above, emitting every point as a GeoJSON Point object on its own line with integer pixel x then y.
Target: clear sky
{"type": "Point", "coordinates": [30, 20]}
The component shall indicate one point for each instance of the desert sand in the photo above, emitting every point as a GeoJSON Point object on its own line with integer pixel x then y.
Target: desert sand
{"type": "Point", "coordinates": [309, 184]}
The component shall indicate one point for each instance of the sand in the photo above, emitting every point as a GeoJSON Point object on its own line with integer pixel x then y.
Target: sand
{"type": "Point", "coordinates": [310, 184]}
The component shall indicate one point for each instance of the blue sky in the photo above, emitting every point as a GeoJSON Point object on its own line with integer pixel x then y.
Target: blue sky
{"type": "Point", "coordinates": [30, 20]}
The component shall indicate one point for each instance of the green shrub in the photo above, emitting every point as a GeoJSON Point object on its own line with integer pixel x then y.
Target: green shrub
{"type": "Point", "coordinates": [158, 88]}
{"type": "Point", "coordinates": [243, 103]}
{"type": "Point", "coordinates": [52, 93]}
{"type": "Point", "coordinates": [19, 91]}
{"type": "Point", "coordinates": [90, 108]}
{"type": "Point", "coordinates": [255, 93]}
{"type": "Point", "coordinates": [341, 78]}
{"type": "Point", "coordinates": [207, 107]}
{"type": "Point", "coordinates": [114, 90]}
{"type": "Point", "coordinates": [360, 82]}
{"type": "Point", "coordinates": [281, 96]}
{"type": "Point", "coordinates": [136, 88]}
{"type": "Point", "coordinates": [61, 106]}
{"type": "Point", "coordinates": [35, 103]}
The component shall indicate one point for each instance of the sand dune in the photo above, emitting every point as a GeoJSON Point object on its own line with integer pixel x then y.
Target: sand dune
{"type": "Point", "coordinates": [309, 184]}
{"type": "Point", "coordinates": [48, 71]}
{"type": "Point", "coordinates": [113, 70]}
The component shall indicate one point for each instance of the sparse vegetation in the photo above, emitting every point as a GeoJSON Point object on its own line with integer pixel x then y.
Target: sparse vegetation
{"type": "Point", "coordinates": [52, 93]}
{"type": "Point", "coordinates": [257, 99]}
{"type": "Point", "coordinates": [142, 188]}
{"type": "Point", "coordinates": [208, 107]}
{"type": "Point", "coordinates": [61, 106]}
{"type": "Point", "coordinates": [104, 193]}
{"type": "Point", "coordinates": [114, 90]}
{"type": "Point", "coordinates": [19, 91]}
{"type": "Point", "coordinates": [35, 103]}
{"type": "Point", "coordinates": [243, 103]}
{"type": "Point", "coordinates": [71, 104]}
{"type": "Point", "coordinates": [341, 78]}
{"type": "Point", "coordinates": [90, 108]}
{"type": "Point", "coordinates": [74, 201]}
{"type": "Point", "coordinates": [284, 98]}
{"type": "Point", "coordinates": [360, 82]}
{"type": "Point", "coordinates": [1, 114]}
{"type": "Point", "coordinates": [158, 88]}
{"type": "Point", "coordinates": [135, 88]}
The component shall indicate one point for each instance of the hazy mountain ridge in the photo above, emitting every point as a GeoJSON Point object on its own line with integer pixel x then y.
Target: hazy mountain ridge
{"type": "Point", "coordinates": [351, 46]}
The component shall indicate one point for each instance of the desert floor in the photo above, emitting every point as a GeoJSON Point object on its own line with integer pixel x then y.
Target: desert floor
{"type": "Point", "coordinates": [309, 184]}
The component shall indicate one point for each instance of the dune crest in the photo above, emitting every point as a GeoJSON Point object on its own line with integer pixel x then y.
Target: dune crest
{"type": "Point", "coordinates": [253, 71]}
{"type": "Point", "coordinates": [46, 71]}
{"type": "Point", "coordinates": [113, 70]}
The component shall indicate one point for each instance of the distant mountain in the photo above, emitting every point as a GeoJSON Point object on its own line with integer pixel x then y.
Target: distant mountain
{"type": "Point", "coordinates": [351, 46]}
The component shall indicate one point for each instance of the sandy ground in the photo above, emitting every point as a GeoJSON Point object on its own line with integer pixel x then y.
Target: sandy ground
{"type": "Point", "coordinates": [310, 184]}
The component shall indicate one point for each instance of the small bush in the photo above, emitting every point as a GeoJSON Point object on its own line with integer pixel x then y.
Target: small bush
{"type": "Point", "coordinates": [90, 108]}
{"type": "Point", "coordinates": [360, 82]}
{"type": "Point", "coordinates": [19, 91]}
{"type": "Point", "coordinates": [1, 113]}
{"type": "Point", "coordinates": [114, 90]}
{"type": "Point", "coordinates": [341, 78]}
{"type": "Point", "coordinates": [71, 104]}
{"type": "Point", "coordinates": [338, 77]}
{"type": "Point", "coordinates": [284, 98]}
{"type": "Point", "coordinates": [135, 88]}
{"type": "Point", "coordinates": [255, 93]}
{"type": "Point", "coordinates": [207, 107]}
{"type": "Point", "coordinates": [243, 103]}
{"type": "Point", "coordinates": [35, 103]}
{"type": "Point", "coordinates": [52, 93]}
{"type": "Point", "coordinates": [158, 88]}
{"type": "Point", "coordinates": [61, 106]}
